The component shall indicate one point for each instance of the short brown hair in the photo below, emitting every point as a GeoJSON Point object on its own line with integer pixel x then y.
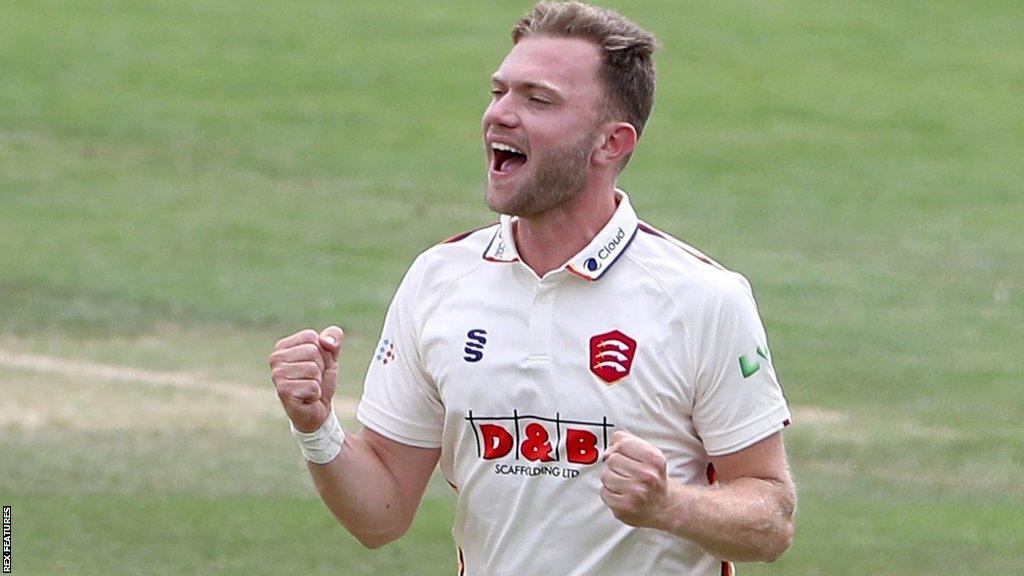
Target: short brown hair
{"type": "Point", "coordinates": [627, 68]}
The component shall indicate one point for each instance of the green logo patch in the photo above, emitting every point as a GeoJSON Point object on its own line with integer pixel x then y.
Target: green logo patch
{"type": "Point", "coordinates": [749, 367]}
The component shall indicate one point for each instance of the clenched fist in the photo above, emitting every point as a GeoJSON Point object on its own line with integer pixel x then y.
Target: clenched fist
{"type": "Point", "coordinates": [635, 482]}
{"type": "Point", "coordinates": [304, 367]}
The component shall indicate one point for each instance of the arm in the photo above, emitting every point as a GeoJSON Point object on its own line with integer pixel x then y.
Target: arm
{"type": "Point", "coordinates": [374, 485]}
{"type": "Point", "coordinates": [747, 516]}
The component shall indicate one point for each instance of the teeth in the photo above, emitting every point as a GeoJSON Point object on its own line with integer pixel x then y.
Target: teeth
{"type": "Point", "coordinates": [506, 148]}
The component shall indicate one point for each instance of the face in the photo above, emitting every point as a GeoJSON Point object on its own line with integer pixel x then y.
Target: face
{"type": "Point", "coordinates": [540, 127]}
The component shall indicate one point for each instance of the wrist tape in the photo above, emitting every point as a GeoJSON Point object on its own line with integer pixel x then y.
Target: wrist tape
{"type": "Point", "coordinates": [324, 443]}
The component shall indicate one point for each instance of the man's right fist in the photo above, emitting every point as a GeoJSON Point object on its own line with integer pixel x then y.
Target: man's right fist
{"type": "Point", "coordinates": [304, 367]}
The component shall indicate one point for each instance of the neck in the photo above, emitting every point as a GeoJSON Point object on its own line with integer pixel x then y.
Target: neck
{"type": "Point", "coordinates": [547, 241]}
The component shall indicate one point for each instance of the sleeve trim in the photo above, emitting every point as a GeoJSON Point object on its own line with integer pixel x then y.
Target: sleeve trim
{"type": "Point", "coordinates": [748, 434]}
{"type": "Point", "coordinates": [397, 429]}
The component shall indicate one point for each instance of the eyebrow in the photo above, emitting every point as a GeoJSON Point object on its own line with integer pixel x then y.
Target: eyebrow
{"type": "Point", "coordinates": [530, 85]}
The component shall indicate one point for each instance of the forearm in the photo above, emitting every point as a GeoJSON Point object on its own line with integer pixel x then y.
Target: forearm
{"type": "Point", "coordinates": [370, 483]}
{"type": "Point", "coordinates": [748, 519]}
{"type": "Point", "coordinates": [363, 494]}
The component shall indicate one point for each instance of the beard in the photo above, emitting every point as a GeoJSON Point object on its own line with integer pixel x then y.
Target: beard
{"type": "Point", "coordinates": [555, 180]}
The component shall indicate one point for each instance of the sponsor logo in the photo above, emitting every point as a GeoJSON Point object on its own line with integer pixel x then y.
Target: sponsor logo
{"type": "Point", "coordinates": [611, 356]}
{"type": "Point", "coordinates": [386, 351]}
{"type": "Point", "coordinates": [605, 252]}
{"type": "Point", "coordinates": [749, 367]}
{"type": "Point", "coordinates": [499, 250]}
{"type": "Point", "coordinates": [537, 441]}
{"type": "Point", "coordinates": [475, 341]}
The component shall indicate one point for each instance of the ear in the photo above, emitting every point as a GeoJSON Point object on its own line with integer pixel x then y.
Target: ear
{"type": "Point", "coordinates": [618, 140]}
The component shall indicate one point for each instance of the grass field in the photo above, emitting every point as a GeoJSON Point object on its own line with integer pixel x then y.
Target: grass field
{"type": "Point", "coordinates": [183, 182]}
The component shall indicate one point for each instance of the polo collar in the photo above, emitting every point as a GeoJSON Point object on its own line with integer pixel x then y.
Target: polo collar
{"type": "Point", "coordinates": [502, 247]}
{"type": "Point", "coordinates": [590, 263]}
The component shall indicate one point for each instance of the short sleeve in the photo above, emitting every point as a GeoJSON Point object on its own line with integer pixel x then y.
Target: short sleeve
{"type": "Point", "coordinates": [738, 399]}
{"type": "Point", "coordinates": [399, 400]}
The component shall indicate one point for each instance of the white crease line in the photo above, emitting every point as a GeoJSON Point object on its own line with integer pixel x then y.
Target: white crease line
{"type": "Point", "coordinates": [817, 415]}
{"type": "Point", "coordinates": [108, 372]}
{"type": "Point", "coordinates": [813, 415]}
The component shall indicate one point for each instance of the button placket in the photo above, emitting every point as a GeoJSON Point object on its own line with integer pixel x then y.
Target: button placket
{"type": "Point", "coordinates": [541, 316]}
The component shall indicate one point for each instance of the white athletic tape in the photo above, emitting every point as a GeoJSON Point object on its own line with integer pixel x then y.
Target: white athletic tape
{"type": "Point", "coordinates": [323, 444]}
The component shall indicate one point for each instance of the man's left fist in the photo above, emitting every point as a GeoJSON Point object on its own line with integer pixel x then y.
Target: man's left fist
{"type": "Point", "coordinates": [635, 483]}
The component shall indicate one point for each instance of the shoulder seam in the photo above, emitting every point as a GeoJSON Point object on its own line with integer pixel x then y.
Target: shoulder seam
{"type": "Point", "coordinates": [692, 252]}
{"type": "Point", "coordinates": [432, 304]}
{"type": "Point", "coordinates": [463, 235]}
{"type": "Point", "coordinates": [672, 299]}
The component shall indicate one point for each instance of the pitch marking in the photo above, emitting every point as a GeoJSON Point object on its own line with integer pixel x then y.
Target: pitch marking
{"type": "Point", "coordinates": [126, 374]}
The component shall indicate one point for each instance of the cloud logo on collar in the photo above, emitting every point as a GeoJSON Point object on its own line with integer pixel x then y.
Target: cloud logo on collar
{"type": "Point", "coordinates": [606, 252]}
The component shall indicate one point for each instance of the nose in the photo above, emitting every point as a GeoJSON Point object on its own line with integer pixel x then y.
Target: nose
{"type": "Point", "coordinates": [501, 112]}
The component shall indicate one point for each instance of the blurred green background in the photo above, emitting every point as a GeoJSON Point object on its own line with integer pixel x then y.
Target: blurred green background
{"type": "Point", "coordinates": [184, 182]}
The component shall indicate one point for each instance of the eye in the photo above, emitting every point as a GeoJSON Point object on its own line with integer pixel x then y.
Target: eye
{"type": "Point", "coordinates": [539, 100]}
{"type": "Point", "coordinates": [496, 92]}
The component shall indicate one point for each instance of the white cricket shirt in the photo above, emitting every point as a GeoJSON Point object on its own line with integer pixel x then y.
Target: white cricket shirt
{"type": "Point", "coordinates": [521, 381]}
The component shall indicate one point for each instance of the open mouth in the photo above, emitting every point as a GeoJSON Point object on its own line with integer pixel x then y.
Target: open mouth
{"type": "Point", "coordinates": [506, 159]}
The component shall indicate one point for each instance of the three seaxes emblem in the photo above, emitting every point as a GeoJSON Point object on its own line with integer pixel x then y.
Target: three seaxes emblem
{"type": "Point", "coordinates": [611, 356]}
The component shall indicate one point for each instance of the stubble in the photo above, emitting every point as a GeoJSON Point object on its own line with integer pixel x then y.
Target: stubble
{"type": "Point", "coordinates": [555, 181]}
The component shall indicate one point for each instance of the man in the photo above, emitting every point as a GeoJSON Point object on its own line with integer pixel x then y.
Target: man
{"type": "Point", "coordinates": [581, 377]}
